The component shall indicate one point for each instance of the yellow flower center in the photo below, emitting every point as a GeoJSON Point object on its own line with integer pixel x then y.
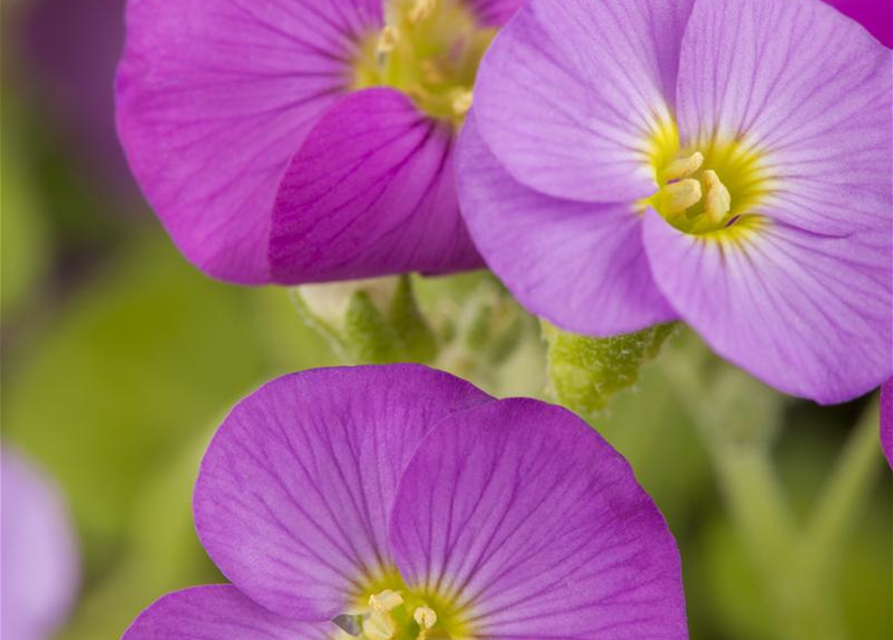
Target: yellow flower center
{"type": "Point", "coordinates": [711, 187]}
{"type": "Point", "coordinates": [429, 50]}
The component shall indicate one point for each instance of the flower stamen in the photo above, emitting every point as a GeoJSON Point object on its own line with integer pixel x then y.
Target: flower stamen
{"type": "Point", "coordinates": [683, 167]}
{"type": "Point", "coordinates": [717, 200]}
{"type": "Point", "coordinates": [426, 618]}
{"type": "Point", "coordinates": [380, 625]}
{"type": "Point", "coordinates": [676, 197]}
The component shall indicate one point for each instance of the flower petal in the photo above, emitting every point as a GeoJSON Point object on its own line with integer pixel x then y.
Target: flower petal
{"type": "Point", "coordinates": [581, 265]}
{"type": "Point", "coordinates": [818, 111]}
{"type": "Point", "coordinates": [887, 421]}
{"type": "Point", "coordinates": [213, 99]}
{"type": "Point", "coordinates": [295, 490]}
{"type": "Point", "coordinates": [874, 15]}
{"type": "Point", "coordinates": [495, 13]}
{"type": "Point", "coordinates": [570, 93]}
{"type": "Point", "coordinates": [536, 527]}
{"type": "Point", "coordinates": [215, 612]}
{"type": "Point", "coordinates": [39, 553]}
{"type": "Point", "coordinates": [807, 314]}
{"type": "Point", "coordinates": [370, 193]}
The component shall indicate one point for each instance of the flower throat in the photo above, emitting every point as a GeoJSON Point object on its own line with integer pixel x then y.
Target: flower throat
{"type": "Point", "coordinates": [429, 50]}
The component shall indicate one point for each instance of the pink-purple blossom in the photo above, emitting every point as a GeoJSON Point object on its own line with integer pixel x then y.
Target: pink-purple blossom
{"type": "Point", "coordinates": [723, 162]}
{"type": "Point", "coordinates": [401, 502]}
{"type": "Point", "coordinates": [39, 572]}
{"type": "Point", "coordinates": [303, 140]}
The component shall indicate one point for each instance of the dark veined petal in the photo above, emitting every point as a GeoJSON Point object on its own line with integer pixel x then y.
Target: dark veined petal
{"type": "Point", "coordinates": [294, 492]}
{"type": "Point", "coordinates": [220, 612]}
{"type": "Point", "coordinates": [807, 314]}
{"type": "Point", "coordinates": [571, 93]}
{"type": "Point", "coordinates": [581, 265]}
{"type": "Point", "coordinates": [536, 528]}
{"type": "Point", "coordinates": [370, 193]}
{"type": "Point", "coordinates": [214, 98]}
{"type": "Point", "coordinates": [810, 92]}
{"type": "Point", "coordinates": [495, 13]}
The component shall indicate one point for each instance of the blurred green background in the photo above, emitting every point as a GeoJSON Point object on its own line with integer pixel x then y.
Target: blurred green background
{"type": "Point", "coordinates": [119, 359]}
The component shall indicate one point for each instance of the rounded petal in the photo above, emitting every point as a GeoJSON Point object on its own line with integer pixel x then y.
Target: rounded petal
{"type": "Point", "coordinates": [887, 421]}
{"type": "Point", "coordinates": [536, 527]}
{"type": "Point", "coordinates": [874, 15]}
{"type": "Point", "coordinates": [370, 193]}
{"type": "Point", "coordinates": [571, 92]}
{"type": "Point", "coordinates": [581, 265]}
{"type": "Point", "coordinates": [220, 612]}
{"type": "Point", "coordinates": [40, 559]}
{"type": "Point", "coordinates": [818, 112]}
{"type": "Point", "coordinates": [294, 492]}
{"type": "Point", "coordinates": [808, 314]}
{"type": "Point", "coordinates": [214, 98]}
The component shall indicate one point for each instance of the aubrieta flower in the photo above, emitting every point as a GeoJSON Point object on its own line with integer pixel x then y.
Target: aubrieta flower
{"type": "Point", "coordinates": [726, 162]}
{"type": "Point", "coordinates": [304, 140]}
{"type": "Point", "coordinates": [39, 571]}
{"type": "Point", "coordinates": [401, 503]}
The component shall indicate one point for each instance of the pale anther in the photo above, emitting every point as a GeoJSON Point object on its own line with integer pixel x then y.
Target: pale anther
{"type": "Point", "coordinates": [387, 39]}
{"type": "Point", "coordinates": [679, 196]}
{"type": "Point", "coordinates": [380, 624]}
{"type": "Point", "coordinates": [717, 200]}
{"type": "Point", "coordinates": [426, 618]}
{"type": "Point", "coordinates": [421, 10]}
{"type": "Point", "coordinates": [386, 601]}
{"type": "Point", "coordinates": [683, 167]}
{"type": "Point", "coordinates": [461, 101]}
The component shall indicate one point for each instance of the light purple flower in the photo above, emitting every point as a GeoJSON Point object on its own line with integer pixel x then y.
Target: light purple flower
{"type": "Point", "coordinates": [403, 502]}
{"type": "Point", "coordinates": [39, 567]}
{"type": "Point", "coordinates": [887, 421]}
{"type": "Point", "coordinates": [304, 140]}
{"type": "Point", "coordinates": [726, 162]}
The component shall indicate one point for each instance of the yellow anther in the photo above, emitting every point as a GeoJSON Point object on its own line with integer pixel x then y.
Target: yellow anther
{"type": "Point", "coordinates": [387, 39]}
{"type": "Point", "coordinates": [718, 200]}
{"type": "Point", "coordinates": [426, 618]}
{"type": "Point", "coordinates": [461, 101]}
{"type": "Point", "coordinates": [679, 196]}
{"type": "Point", "coordinates": [380, 624]}
{"type": "Point", "coordinates": [683, 167]}
{"type": "Point", "coordinates": [421, 10]}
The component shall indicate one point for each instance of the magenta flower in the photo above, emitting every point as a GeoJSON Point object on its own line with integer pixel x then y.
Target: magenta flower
{"type": "Point", "coordinates": [726, 162]}
{"type": "Point", "coordinates": [887, 421]}
{"type": "Point", "coordinates": [39, 571]}
{"type": "Point", "coordinates": [401, 502]}
{"type": "Point", "coordinates": [304, 140]}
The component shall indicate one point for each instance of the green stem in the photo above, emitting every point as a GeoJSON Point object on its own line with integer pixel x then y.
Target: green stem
{"type": "Point", "coordinates": [846, 493]}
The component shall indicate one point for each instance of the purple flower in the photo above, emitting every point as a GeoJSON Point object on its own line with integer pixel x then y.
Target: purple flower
{"type": "Point", "coordinates": [887, 421]}
{"type": "Point", "coordinates": [726, 162]}
{"type": "Point", "coordinates": [39, 570]}
{"type": "Point", "coordinates": [304, 140]}
{"type": "Point", "coordinates": [401, 502]}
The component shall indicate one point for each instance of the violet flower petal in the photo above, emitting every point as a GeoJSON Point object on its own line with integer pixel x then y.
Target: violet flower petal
{"type": "Point", "coordinates": [370, 193]}
{"type": "Point", "coordinates": [570, 93]}
{"type": "Point", "coordinates": [40, 568]}
{"type": "Point", "coordinates": [818, 111]}
{"type": "Point", "coordinates": [874, 15]}
{"type": "Point", "coordinates": [219, 612]}
{"type": "Point", "coordinates": [494, 13]}
{"type": "Point", "coordinates": [294, 492]}
{"type": "Point", "coordinates": [807, 314]}
{"type": "Point", "coordinates": [213, 99]}
{"type": "Point", "coordinates": [537, 527]}
{"type": "Point", "coordinates": [601, 282]}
